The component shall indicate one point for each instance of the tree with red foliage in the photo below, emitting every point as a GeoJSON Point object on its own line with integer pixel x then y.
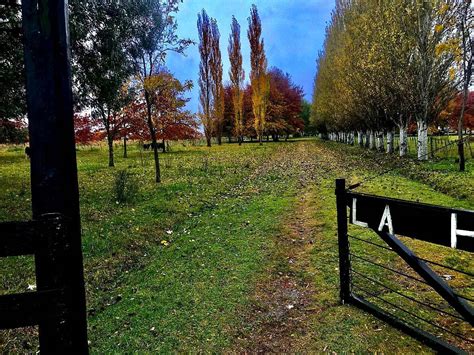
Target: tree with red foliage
{"type": "Point", "coordinates": [174, 125]}
{"type": "Point", "coordinates": [229, 123]}
{"type": "Point", "coordinates": [168, 119]}
{"type": "Point", "coordinates": [248, 129]}
{"type": "Point", "coordinates": [83, 128]}
{"type": "Point", "coordinates": [135, 126]}
{"type": "Point", "coordinates": [450, 115]}
{"type": "Point", "coordinates": [284, 105]}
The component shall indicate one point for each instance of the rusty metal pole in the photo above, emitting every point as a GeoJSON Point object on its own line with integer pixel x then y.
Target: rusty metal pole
{"type": "Point", "coordinates": [54, 184]}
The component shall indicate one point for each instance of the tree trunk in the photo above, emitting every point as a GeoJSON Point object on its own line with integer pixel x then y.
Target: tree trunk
{"type": "Point", "coordinates": [125, 147]}
{"type": "Point", "coordinates": [462, 166]}
{"type": "Point", "coordinates": [379, 141]}
{"type": "Point", "coordinates": [240, 140]}
{"type": "Point", "coordinates": [467, 46]}
{"type": "Point", "coordinates": [359, 138]}
{"type": "Point", "coordinates": [153, 139]}
{"type": "Point", "coordinates": [403, 141]}
{"type": "Point", "coordinates": [390, 142]}
{"type": "Point", "coordinates": [367, 139]}
{"type": "Point", "coordinates": [208, 141]}
{"type": "Point", "coordinates": [422, 127]}
{"type": "Point", "coordinates": [110, 143]}
{"type": "Point", "coordinates": [372, 140]}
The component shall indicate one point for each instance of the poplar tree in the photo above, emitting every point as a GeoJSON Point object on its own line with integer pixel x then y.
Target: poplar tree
{"type": "Point", "coordinates": [258, 73]}
{"type": "Point", "coordinates": [432, 63]}
{"type": "Point", "coordinates": [237, 76]}
{"type": "Point", "coordinates": [205, 75]}
{"type": "Point", "coordinates": [216, 82]}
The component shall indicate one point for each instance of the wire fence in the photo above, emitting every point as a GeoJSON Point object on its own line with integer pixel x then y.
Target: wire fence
{"type": "Point", "coordinates": [439, 147]}
{"type": "Point", "coordinates": [450, 144]}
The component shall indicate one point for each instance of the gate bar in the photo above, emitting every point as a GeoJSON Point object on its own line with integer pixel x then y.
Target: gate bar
{"type": "Point", "coordinates": [419, 334]}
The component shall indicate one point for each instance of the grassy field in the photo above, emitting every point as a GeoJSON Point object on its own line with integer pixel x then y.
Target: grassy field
{"type": "Point", "coordinates": [180, 266]}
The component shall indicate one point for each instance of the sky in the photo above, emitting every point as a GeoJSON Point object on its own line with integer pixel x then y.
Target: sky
{"type": "Point", "coordinates": [293, 33]}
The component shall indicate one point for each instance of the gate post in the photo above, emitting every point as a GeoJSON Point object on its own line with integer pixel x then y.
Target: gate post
{"type": "Point", "coordinates": [343, 241]}
{"type": "Point", "coordinates": [54, 183]}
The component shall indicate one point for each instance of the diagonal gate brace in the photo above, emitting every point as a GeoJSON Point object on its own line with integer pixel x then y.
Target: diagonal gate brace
{"type": "Point", "coordinates": [431, 278]}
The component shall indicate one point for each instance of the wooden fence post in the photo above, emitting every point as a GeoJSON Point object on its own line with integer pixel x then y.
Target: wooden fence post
{"type": "Point", "coordinates": [431, 147]}
{"type": "Point", "coordinates": [343, 241]}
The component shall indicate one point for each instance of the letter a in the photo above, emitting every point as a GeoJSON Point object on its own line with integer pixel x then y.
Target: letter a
{"type": "Point", "coordinates": [386, 220]}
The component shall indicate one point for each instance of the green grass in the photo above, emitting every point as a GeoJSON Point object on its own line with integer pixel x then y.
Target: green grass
{"type": "Point", "coordinates": [442, 174]}
{"type": "Point", "coordinates": [120, 239]}
{"type": "Point", "coordinates": [175, 269]}
{"type": "Point", "coordinates": [190, 294]}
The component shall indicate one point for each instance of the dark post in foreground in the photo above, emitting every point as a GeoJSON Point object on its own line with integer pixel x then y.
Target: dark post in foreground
{"type": "Point", "coordinates": [343, 241]}
{"type": "Point", "coordinates": [54, 185]}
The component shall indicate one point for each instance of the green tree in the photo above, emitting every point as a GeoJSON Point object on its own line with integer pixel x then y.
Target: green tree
{"type": "Point", "coordinates": [154, 35]}
{"type": "Point", "coordinates": [101, 33]}
{"type": "Point", "coordinates": [305, 115]}
{"type": "Point", "coordinates": [12, 76]}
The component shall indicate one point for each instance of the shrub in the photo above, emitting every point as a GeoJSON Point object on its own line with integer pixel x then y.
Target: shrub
{"type": "Point", "coordinates": [125, 187]}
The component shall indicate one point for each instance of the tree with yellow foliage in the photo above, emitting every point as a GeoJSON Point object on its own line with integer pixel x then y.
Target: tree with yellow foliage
{"type": "Point", "coordinates": [236, 75]}
{"type": "Point", "coordinates": [384, 64]}
{"type": "Point", "coordinates": [258, 74]}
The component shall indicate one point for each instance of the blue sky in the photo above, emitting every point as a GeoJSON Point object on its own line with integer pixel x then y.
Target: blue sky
{"type": "Point", "coordinates": [293, 31]}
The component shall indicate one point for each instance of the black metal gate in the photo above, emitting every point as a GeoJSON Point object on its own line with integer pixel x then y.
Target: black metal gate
{"type": "Point", "coordinates": [381, 274]}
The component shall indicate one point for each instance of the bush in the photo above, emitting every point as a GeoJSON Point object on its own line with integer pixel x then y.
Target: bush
{"type": "Point", "coordinates": [125, 187]}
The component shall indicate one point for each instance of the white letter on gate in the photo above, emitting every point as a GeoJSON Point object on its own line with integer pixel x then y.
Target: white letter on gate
{"type": "Point", "coordinates": [386, 220]}
{"type": "Point", "coordinates": [354, 215]}
{"type": "Point", "coordinates": [455, 231]}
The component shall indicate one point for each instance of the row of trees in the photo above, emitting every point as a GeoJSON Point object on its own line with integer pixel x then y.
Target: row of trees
{"type": "Point", "coordinates": [271, 104]}
{"type": "Point", "coordinates": [387, 65]}
{"type": "Point", "coordinates": [121, 85]}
